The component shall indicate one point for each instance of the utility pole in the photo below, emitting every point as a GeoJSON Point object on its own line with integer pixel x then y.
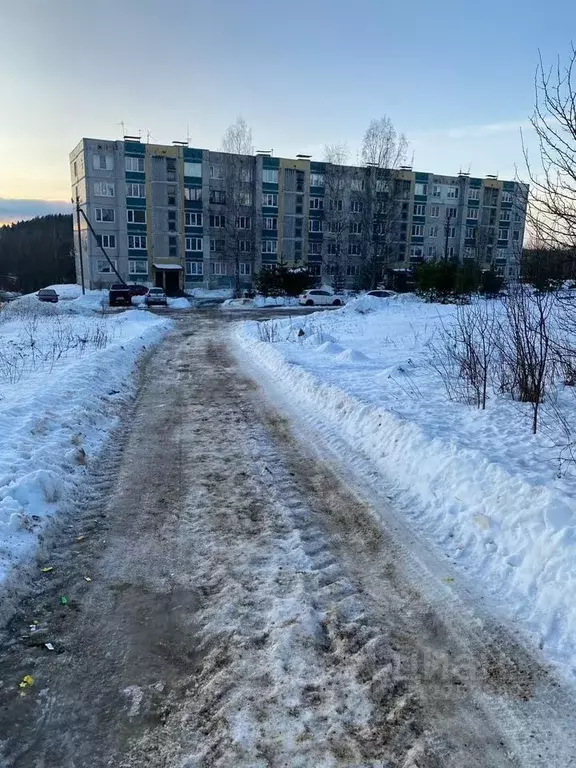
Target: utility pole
{"type": "Point", "coordinates": [80, 244]}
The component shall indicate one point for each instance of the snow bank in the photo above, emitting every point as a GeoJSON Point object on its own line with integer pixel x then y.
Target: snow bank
{"type": "Point", "coordinates": [180, 303]}
{"type": "Point", "coordinates": [260, 302]}
{"type": "Point", "coordinates": [477, 483]}
{"type": "Point", "coordinates": [64, 379]}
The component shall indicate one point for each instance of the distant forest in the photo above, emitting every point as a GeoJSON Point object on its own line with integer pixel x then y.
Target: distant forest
{"type": "Point", "coordinates": [36, 253]}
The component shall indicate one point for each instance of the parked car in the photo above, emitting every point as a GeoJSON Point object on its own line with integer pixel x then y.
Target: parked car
{"type": "Point", "coordinates": [47, 294]}
{"type": "Point", "coordinates": [381, 294]}
{"type": "Point", "coordinates": [156, 296]}
{"type": "Point", "coordinates": [138, 290]}
{"type": "Point", "coordinates": [319, 297]}
{"type": "Point", "coordinates": [9, 296]}
{"type": "Point", "coordinates": [119, 293]}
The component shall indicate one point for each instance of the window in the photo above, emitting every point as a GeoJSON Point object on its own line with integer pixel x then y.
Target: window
{"type": "Point", "coordinates": [315, 225]}
{"type": "Point", "coordinates": [336, 205]}
{"type": "Point", "coordinates": [517, 216]}
{"type": "Point", "coordinates": [137, 241]}
{"type": "Point", "coordinates": [137, 267]}
{"type": "Point", "coordinates": [136, 216]}
{"type": "Point", "coordinates": [331, 249]}
{"type": "Point", "coordinates": [355, 228]}
{"type": "Point", "coordinates": [316, 203]}
{"type": "Point", "coordinates": [193, 193]}
{"type": "Point", "coordinates": [193, 219]}
{"type": "Point", "coordinates": [171, 194]}
{"type": "Point", "coordinates": [172, 221]}
{"type": "Point", "coordinates": [269, 246]}
{"type": "Point", "coordinates": [245, 174]}
{"type": "Point", "coordinates": [416, 252]}
{"type": "Point", "coordinates": [215, 171]}
{"type": "Point", "coordinates": [135, 164]}
{"type": "Point", "coordinates": [502, 234]}
{"type": "Point", "coordinates": [193, 169]}
{"type": "Point", "coordinates": [105, 214]}
{"type": "Point", "coordinates": [353, 249]}
{"type": "Point", "coordinates": [270, 222]}
{"type": "Point", "coordinates": [470, 233]}
{"type": "Point", "coordinates": [102, 162]}
{"type": "Point", "coordinates": [417, 230]}
{"type": "Point", "coordinates": [436, 190]}
{"type": "Point", "coordinates": [451, 213]}
{"type": "Point", "coordinates": [135, 190]}
{"type": "Point", "coordinates": [194, 268]}
{"type": "Point", "coordinates": [335, 226]}
{"type": "Point", "coordinates": [104, 189]}
{"type": "Point", "coordinates": [270, 175]}
{"type": "Point", "coordinates": [382, 185]}
{"type": "Point", "coordinates": [171, 169]}
{"type": "Point", "coordinates": [352, 270]}
{"type": "Point", "coordinates": [505, 216]}
{"type": "Point", "coordinates": [434, 231]}
{"type": "Point", "coordinates": [473, 194]}
{"type": "Point", "coordinates": [75, 167]}
{"type": "Point", "coordinates": [500, 253]}
{"type": "Point", "coordinates": [270, 199]}
{"type": "Point", "coordinates": [420, 189]}
{"type": "Point", "coordinates": [451, 252]}
{"type": "Point", "coordinates": [469, 252]}
{"type": "Point", "coordinates": [419, 209]}
{"type": "Point", "coordinates": [218, 196]}
{"type": "Point", "coordinates": [451, 231]}
{"type": "Point", "coordinates": [434, 211]}
{"type": "Point", "coordinates": [245, 268]}
{"type": "Point", "coordinates": [244, 222]}
{"type": "Point", "coordinates": [217, 220]}
{"type": "Point", "coordinates": [106, 241]}
{"type": "Point", "coordinates": [506, 197]}
{"type": "Point", "coordinates": [452, 192]}
{"type": "Point", "coordinates": [216, 245]}
{"type": "Point", "coordinates": [472, 213]}
{"type": "Point", "coordinates": [356, 206]}
{"type": "Point", "coordinates": [193, 243]}
{"type": "Point", "coordinates": [218, 268]}
{"type": "Point", "coordinates": [245, 198]}
{"type": "Point", "coordinates": [172, 245]}
{"type": "Point", "coordinates": [516, 235]}
{"type": "Point", "coordinates": [104, 267]}
{"type": "Point", "coordinates": [245, 246]}
{"type": "Point", "coordinates": [315, 248]}
{"type": "Point", "coordinates": [431, 251]}
{"type": "Point", "coordinates": [357, 185]}
{"type": "Point", "coordinates": [316, 179]}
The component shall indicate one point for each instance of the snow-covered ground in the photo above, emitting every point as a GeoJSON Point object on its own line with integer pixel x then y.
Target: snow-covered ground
{"type": "Point", "coordinates": [65, 375]}
{"type": "Point", "coordinates": [261, 302]}
{"type": "Point", "coordinates": [478, 484]}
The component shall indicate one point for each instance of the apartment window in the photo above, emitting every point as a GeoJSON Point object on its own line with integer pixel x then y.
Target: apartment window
{"type": "Point", "coordinates": [105, 214]}
{"type": "Point", "coordinates": [135, 164]}
{"type": "Point", "coordinates": [352, 270]}
{"type": "Point", "coordinates": [245, 198]}
{"type": "Point", "coordinates": [469, 252]}
{"type": "Point", "coordinates": [431, 251]}
{"type": "Point", "coordinates": [218, 268]}
{"type": "Point", "coordinates": [416, 252]}
{"type": "Point", "coordinates": [136, 216]}
{"type": "Point", "coordinates": [472, 213]}
{"type": "Point", "coordinates": [331, 249]}
{"type": "Point", "coordinates": [356, 206]}
{"type": "Point", "coordinates": [171, 194]}
{"type": "Point", "coordinates": [171, 169]}
{"type": "Point", "coordinates": [434, 211]}
{"type": "Point", "coordinates": [434, 231]}
{"type": "Point", "coordinates": [451, 213]}
{"type": "Point", "coordinates": [506, 197]}
{"type": "Point", "coordinates": [193, 169]}
{"type": "Point", "coordinates": [270, 175]}
{"type": "Point", "coordinates": [355, 228]}
{"type": "Point", "coordinates": [104, 267]}
{"type": "Point", "coordinates": [436, 190]}
{"type": "Point", "coordinates": [516, 235]}
{"type": "Point", "coordinates": [500, 253]}
{"type": "Point", "coordinates": [417, 230]}
{"type": "Point", "coordinates": [314, 225]}
{"type": "Point", "coordinates": [419, 209]}
{"type": "Point", "coordinates": [172, 245]}
{"type": "Point", "coordinates": [137, 241]}
{"type": "Point", "coordinates": [357, 185]}
{"type": "Point", "coordinates": [193, 219]}
{"type": "Point", "coordinates": [216, 245]}
{"type": "Point", "coordinates": [505, 216]}
{"type": "Point", "coordinates": [474, 194]}
{"type": "Point", "coordinates": [215, 171]}
{"type": "Point", "coordinates": [193, 193]}
{"type": "Point", "coordinates": [270, 199]}
{"type": "Point", "coordinates": [137, 267]}
{"type": "Point", "coordinates": [315, 249]}
{"type": "Point", "coordinates": [353, 249]}
{"type": "Point", "coordinates": [270, 222]}
{"type": "Point", "coordinates": [104, 189]}
{"type": "Point", "coordinates": [452, 232]}
{"type": "Point", "coordinates": [517, 216]}
{"type": "Point", "coordinates": [336, 205]}
{"type": "Point", "coordinates": [244, 222]}
{"type": "Point", "coordinates": [217, 220]}
{"type": "Point", "coordinates": [245, 268]}
{"type": "Point", "coordinates": [502, 234]}
{"type": "Point", "coordinates": [172, 221]}
{"type": "Point", "coordinates": [106, 241]}
{"type": "Point", "coordinates": [470, 233]}
{"type": "Point", "coordinates": [103, 162]}
{"type": "Point", "coordinates": [245, 246]}
{"type": "Point", "coordinates": [218, 196]}
{"type": "Point", "coordinates": [135, 190]}
{"type": "Point", "coordinates": [75, 167]}
{"type": "Point", "coordinates": [269, 246]}
{"type": "Point", "coordinates": [335, 226]}
{"type": "Point", "coordinates": [451, 252]}
{"type": "Point", "coordinates": [316, 179]}
{"type": "Point", "coordinates": [452, 192]}
{"type": "Point", "coordinates": [316, 203]}
{"type": "Point", "coordinates": [245, 174]}
{"type": "Point", "coordinates": [193, 243]}
{"type": "Point", "coordinates": [382, 186]}
{"type": "Point", "coordinates": [194, 268]}
{"type": "Point", "coordinates": [420, 189]}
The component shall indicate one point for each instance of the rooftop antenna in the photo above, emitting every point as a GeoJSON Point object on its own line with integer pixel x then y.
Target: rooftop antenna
{"type": "Point", "coordinates": [123, 125]}
{"type": "Point", "coordinates": [188, 133]}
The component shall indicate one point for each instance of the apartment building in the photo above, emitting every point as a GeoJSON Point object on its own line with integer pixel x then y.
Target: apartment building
{"type": "Point", "coordinates": [180, 217]}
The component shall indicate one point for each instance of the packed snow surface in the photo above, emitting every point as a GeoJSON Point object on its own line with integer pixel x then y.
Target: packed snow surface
{"type": "Point", "coordinates": [479, 484]}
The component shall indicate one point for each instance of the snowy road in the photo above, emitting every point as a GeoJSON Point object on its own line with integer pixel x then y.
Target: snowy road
{"type": "Point", "coordinates": [244, 608]}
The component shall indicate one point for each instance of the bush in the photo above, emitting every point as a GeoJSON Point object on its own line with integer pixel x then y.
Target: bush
{"type": "Point", "coordinates": [280, 280]}
{"type": "Point", "coordinates": [445, 281]}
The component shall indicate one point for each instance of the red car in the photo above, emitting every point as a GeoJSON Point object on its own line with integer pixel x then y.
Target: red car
{"type": "Point", "coordinates": [47, 294]}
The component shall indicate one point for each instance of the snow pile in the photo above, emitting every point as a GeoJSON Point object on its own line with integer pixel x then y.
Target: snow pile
{"type": "Point", "coordinates": [477, 483]}
{"type": "Point", "coordinates": [261, 302]}
{"type": "Point", "coordinates": [64, 379]}
{"type": "Point", "coordinates": [211, 293]}
{"type": "Point", "coordinates": [179, 303]}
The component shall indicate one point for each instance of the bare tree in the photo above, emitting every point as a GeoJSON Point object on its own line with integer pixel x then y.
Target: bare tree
{"type": "Point", "coordinates": [336, 213]}
{"type": "Point", "coordinates": [239, 187]}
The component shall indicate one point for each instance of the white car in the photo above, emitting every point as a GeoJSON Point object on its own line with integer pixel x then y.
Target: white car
{"type": "Point", "coordinates": [319, 297]}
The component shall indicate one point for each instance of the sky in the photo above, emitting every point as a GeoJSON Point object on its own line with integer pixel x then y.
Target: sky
{"type": "Point", "coordinates": [457, 77]}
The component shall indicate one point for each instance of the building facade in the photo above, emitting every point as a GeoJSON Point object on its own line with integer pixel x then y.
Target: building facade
{"type": "Point", "coordinates": [181, 218]}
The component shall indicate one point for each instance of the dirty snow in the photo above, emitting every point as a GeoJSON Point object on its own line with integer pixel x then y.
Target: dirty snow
{"type": "Point", "coordinates": [261, 302]}
{"type": "Point", "coordinates": [64, 378]}
{"type": "Point", "coordinates": [477, 483]}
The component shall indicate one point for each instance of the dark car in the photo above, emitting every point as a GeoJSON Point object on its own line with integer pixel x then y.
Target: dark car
{"type": "Point", "coordinates": [119, 293]}
{"type": "Point", "coordinates": [47, 294]}
{"type": "Point", "coordinates": [138, 290]}
{"type": "Point", "coordinates": [381, 294]}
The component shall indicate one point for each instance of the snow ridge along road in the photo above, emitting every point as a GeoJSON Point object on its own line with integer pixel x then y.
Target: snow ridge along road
{"type": "Point", "coordinates": [247, 609]}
